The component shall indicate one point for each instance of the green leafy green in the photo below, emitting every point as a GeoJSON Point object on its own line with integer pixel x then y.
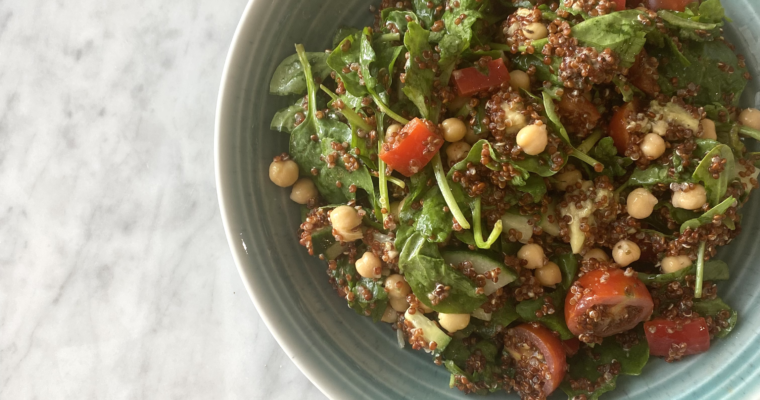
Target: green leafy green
{"type": "Point", "coordinates": [285, 119]}
{"type": "Point", "coordinates": [714, 270]}
{"type": "Point", "coordinates": [419, 82]}
{"type": "Point", "coordinates": [651, 176]}
{"type": "Point", "coordinates": [527, 310]}
{"type": "Point", "coordinates": [555, 122]}
{"type": "Point", "coordinates": [427, 15]}
{"type": "Point", "coordinates": [621, 32]}
{"type": "Point", "coordinates": [712, 308]}
{"type": "Point", "coordinates": [716, 187]}
{"type": "Point", "coordinates": [289, 77]}
{"type": "Point", "coordinates": [375, 306]}
{"type": "Point", "coordinates": [424, 268]}
{"type": "Point", "coordinates": [707, 218]}
{"type": "Point", "coordinates": [606, 153]}
{"type": "Point", "coordinates": [568, 264]}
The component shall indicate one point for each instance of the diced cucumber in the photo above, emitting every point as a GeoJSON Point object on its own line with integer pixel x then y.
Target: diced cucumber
{"type": "Point", "coordinates": [482, 264]}
{"type": "Point", "coordinates": [322, 240]}
{"type": "Point", "coordinates": [519, 223]}
{"type": "Point", "coordinates": [481, 315]}
{"type": "Point", "coordinates": [430, 331]}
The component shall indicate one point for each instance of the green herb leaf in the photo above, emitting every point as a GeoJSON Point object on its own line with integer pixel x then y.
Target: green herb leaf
{"type": "Point", "coordinates": [714, 270]}
{"type": "Point", "coordinates": [716, 188]}
{"type": "Point", "coordinates": [527, 310]}
{"type": "Point", "coordinates": [285, 119]}
{"type": "Point", "coordinates": [707, 218]}
{"type": "Point", "coordinates": [419, 82]}
{"type": "Point", "coordinates": [621, 31]}
{"type": "Point", "coordinates": [289, 78]}
{"type": "Point", "coordinates": [712, 308]}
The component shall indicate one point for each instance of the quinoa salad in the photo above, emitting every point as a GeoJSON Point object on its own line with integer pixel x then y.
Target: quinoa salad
{"type": "Point", "coordinates": [532, 192]}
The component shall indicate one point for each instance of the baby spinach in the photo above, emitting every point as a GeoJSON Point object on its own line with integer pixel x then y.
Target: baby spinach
{"type": "Point", "coordinates": [555, 122]}
{"type": "Point", "coordinates": [621, 32]}
{"type": "Point", "coordinates": [289, 77]}
{"type": "Point", "coordinates": [606, 153]}
{"type": "Point", "coordinates": [346, 54]}
{"type": "Point", "coordinates": [707, 218]}
{"type": "Point", "coordinates": [427, 15]}
{"type": "Point", "coordinates": [589, 363]}
{"type": "Point", "coordinates": [419, 82]}
{"type": "Point", "coordinates": [712, 308]}
{"type": "Point", "coordinates": [311, 154]}
{"type": "Point", "coordinates": [527, 310]}
{"type": "Point", "coordinates": [716, 187]}
{"type": "Point", "coordinates": [424, 268]}
{"type": "Point", "coordinates": [568, 264]}
{"type": "Point", "coordinates": [714, 270]}
{"type": "Point", "coordinates": [285, 119]}
{"type": "Point", "coordinates": [432, 222]}
{"type": "Point", "coordinates": [375, 306]}
{"type": "Point", "coordinates": [458, 35]}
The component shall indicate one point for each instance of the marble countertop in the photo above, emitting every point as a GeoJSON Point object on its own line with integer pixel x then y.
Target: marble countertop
{"type": "Point", "coordinates": [116, 281]}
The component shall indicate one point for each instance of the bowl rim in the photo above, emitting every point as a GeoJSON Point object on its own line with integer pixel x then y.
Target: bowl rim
{"type": "Point", "coordinates": [224, 191]}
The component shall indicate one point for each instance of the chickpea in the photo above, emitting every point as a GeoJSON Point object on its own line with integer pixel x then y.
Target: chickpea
{"type": "Point", "coordinates": [393, 129]}
{"type": "Point", "coordinates": [454, 129]}
{"type": "Point", "coordinates": [283, 173]}
{"type": "Point", "coordinates": [535, 31]}
{"type": "Point", "coordinates": [453, 322]}
{"type": "Point", "coordinates": [597, 254]}
{"type": "Point", "coordinates": [369, 266]}
{"type": "Point", "coordinates": [346, 220]}
{"type": "Point", "coordinates": [457, 151]}
{"type": "Point", "coordinates": [390, 315]}
{"type": "Point", "coordinates": [533, 254]}
{"type": "Point", "coordinates": [303, 191]}
{"type": "Point", "coordinates": [626, 252]}
{"type": "Point", "coordinates": [397, 287]}
{"type": "Point", "coordinates": [653, 146]}
{"type": "Point", "coordinates": [641, 203]}
{"type": "Point", "coordinates": [567, 179]}
{"type": "Point", "coordinates": [533, 139]}
{"type": "Point", "coordinates": [750, 118]}
{"type": "Point", "coordinates": [548, 275]}
{"type": "Point", "coordinates": [399, 305]}
{"type": "Point", "coordinates": [519, 80]}
{"type": "Point", "coordinates": [675, 264]}
{"type": "Point", "coordinates": [694, 199]}
{"type": "Point", "coordinates": [708, 129]}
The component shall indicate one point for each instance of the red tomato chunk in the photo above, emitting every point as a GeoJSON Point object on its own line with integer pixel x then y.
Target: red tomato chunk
{"type": "Point", "coordinates": [664, 336]}
{"type": "Point", "coordinates": [470, 81]}
{"type": "Point", "coordinates": [412, 147]}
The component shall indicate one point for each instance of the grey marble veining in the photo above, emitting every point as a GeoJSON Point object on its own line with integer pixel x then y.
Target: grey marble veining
{"type": "Point", "coordinates": [116, 281]}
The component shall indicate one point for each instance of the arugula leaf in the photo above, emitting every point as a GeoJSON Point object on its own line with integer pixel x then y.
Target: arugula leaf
{"type": "Point", "coordinates": [716, 188]}
{"type": "Point", "coordinates": [621, 31]}
{"type": "Point", "coordinates": [310, 154]}
{"type": "Point", "coordinates": [714, 85]}
{"type": "Point", "coordinates": [424, 268]}
{"type": "Point", "coordinates": [707, 218]}
{"type": "Point", "coordinates": [285, 119]}
{"type": "Point", "coordinates": [289, 78]}
{"type": "Point", "coordinates": [527, 311]}
{"type": "Point", "coordinates": [714, 270]}
{"type": "Point", "coordinates": [712, 308]}
{"type": "Point", "coordinates": [588, 362]}
{"type": "Point", "coordinates": [419, 82]}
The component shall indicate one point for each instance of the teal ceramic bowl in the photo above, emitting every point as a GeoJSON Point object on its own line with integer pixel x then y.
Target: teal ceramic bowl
{"type": "Point", "coordinates": [347, 356]}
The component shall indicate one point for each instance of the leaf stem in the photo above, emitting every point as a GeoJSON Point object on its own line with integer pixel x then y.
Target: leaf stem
{"type": "Point", "coordinates": [590, 141]}
{"type": "Point", "coordinates": [387, 110]}
{"type": "Point", "coordinates": [309, 80]}
{"type": "Point", "coordinates": [700, 270]}
{"type": "Point", "coordinates": [478, 230]}
{"type": "Point", "coordinates": [396, 181]}
{"type": "Point", "coordinates": [347, 112]}
{"type": "Point", "coordinates": [443, 184]}
{"type": "Point", "coordinates": [384, 203]}
{"type": "Point", "coordinates": [753, 133]}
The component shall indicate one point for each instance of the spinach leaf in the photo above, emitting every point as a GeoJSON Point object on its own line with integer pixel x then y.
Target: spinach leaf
{"type": "Point", "coordinates": [554, 121]}
{"type": "Point", "coordinates": [424, 268]}
{"type": "Point", "coordinates": [432, 222]}
{"type": "Point", "coordinates": [712, 11]}
{"type": "Point", "coordinates": [289, 77]}
{"type": "Point", "coordinates": [428, 15]}
{"type": "Point", "coordinates": [716, 187]}
{"type": "Point", "coordinates": [622, 32]}
{"type": "Point", "coordinates": [310, 154]}
{"type": "Point", "coordinates": [458, 35]}
{"type": "Point", "coordinates": [606, 153]}
{"type": "Point", "coordinates": [707, 218]}
{"type": "Point", "coordinates": [500, 319]}
{"type": "Point", "coordinates": [651, 176]}
{"type": "Point", "coordinates": [714, 85]}
{"type": "Point", "coordinates": [377, 67]}
{"type": "Point", "coordinates": [285, 119]}
{"type": "Point", "coordinates": [535, 187]}
{"type": "Point", "coordinates": [375, 306]}
{"type": "Point", "coordinates": [342, 34]}
{"type": "Point", "coordinates": [712, 308]}
{"type": "Point", "coordinates": [589, 364]}
{"type": "Point", "coordinates": [419, 82]}
{"type": "Point", "coordinates": [527, 310]}
{"type": "Point", "coordinates": [400, 19]}
{"type": "Point", "coordinates": [543, 72]}
{"type": "Point", "coordinates": [715, 270]}
{"type": "Point", "coordinates": [568, 264]}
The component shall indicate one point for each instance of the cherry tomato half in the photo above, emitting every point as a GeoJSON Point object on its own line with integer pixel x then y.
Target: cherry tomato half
{"type": "Point", "coordinates": [618, 128]}
{"type": "Point", "coordinates": [470, 81]}
{"type": "Point", "coordinates": [535, 340]}
{"type": "Point", "coordinates": [674, 5]}
{"type": "Point", "coordinates": [578, 113]}
{"type": "Point", "coordinates": [619, 5]}
{"type": "Point", "coordinates": [606, 302]}
{"type": "Point", "coordinates": [412, 147]}
{"type": "Point", "coordinates": [662, 334]}
{"type": "Point", "coordinates": [642, 75]}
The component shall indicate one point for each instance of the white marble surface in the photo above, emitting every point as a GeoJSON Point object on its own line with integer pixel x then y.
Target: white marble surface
{"type": "Point", "coordinates": [116, 281]}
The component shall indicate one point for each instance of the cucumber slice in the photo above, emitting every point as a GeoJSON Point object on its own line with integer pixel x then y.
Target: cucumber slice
{"type": "Point", "coordinates": [519, 223]}
{"type": "Point", "coordinates": [322, 240]}
{"type": "Point", "coordinates": [482, 264]}
{"type": "Point", "coordinates": [481, 315]}
{"type": "Point", "coordinates": [431, 333]}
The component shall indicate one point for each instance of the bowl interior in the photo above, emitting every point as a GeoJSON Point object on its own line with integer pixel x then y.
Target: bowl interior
{"type": "Point", "coordinates": [345, 355]}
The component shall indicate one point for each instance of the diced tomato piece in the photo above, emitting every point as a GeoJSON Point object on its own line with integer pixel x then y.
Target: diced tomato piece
{"type": "Point", "coordinates": [619, 5]}
{"type": "Point", "coordinates": [470, 81]}
{"type": "Point", "coordinates": [642, 75]}
{"type": "Point", "coordinates": [571, 346]}
{"type": "Point", "coordinates": [673, 5]}
{"type": "Point", "coordinates": [607, 302]}
{"type": "Point", "coordinates": [547, 343]}
{"type": "Point", "coordinates": [662, 334]}
{"type": "Point", "coordinates": [412, 147]}
{"type": "Point", "coordinates": [579, 114]}
{"type": "Point", "coordinates": [618, 128]}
